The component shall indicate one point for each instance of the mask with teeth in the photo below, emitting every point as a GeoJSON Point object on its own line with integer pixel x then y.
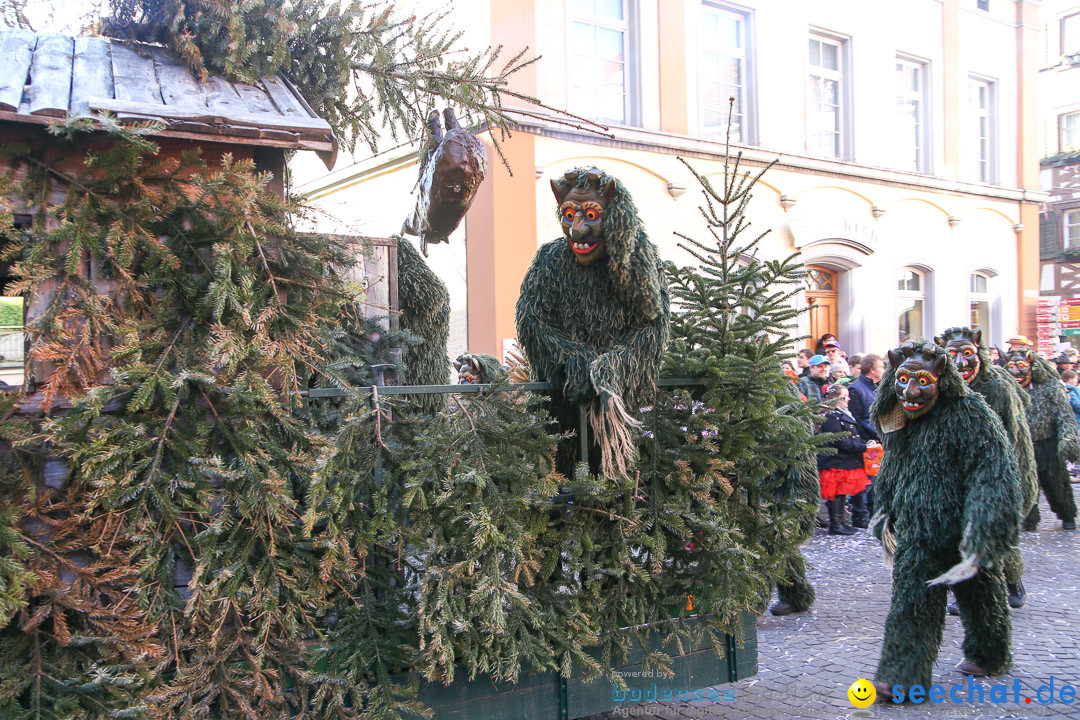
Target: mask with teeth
{"type": "Point", "coordinates": [917, 378]}
{"type": "Point", "coordinates": [962, 344]}
{"type": "Point", "coordinates": [581, 214]}
{"type": "Point", "coordinates": [1019, 366]}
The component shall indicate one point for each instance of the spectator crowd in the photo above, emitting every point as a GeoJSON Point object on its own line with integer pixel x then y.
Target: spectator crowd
{"type": "Point", "coordinates": [845, 386]}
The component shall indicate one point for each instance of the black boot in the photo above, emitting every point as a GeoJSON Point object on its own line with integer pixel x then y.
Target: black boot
{"type": "Point", "coordinates": [836, 517]}
{"type": "Point", "coordinates": [846, 513]}
{"type": "Point", "coordinates": [860, 518]}
{"type": "Point", "coordinates": [1017, 594]}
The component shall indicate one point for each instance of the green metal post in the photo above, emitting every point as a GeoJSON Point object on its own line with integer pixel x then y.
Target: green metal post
{"type": "Point", "coordinates": [732, 660]}
{"type": "Point", "coordinates": [583, 433]}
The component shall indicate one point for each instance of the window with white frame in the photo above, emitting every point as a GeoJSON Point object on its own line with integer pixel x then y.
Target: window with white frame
{"type": "Point", "coordinates": [979, 133]}
{"type": "Point", "coordinates": [1069, 125]}
{"type": "Point", "coordinates": [1070, 34]}
{"type": "Point", "coordinates": [911, 145]}
{"type": "Point", "coordinates": [979, 303]}
{"type": "Point", "coordinates": [910, 304]}
{"type": "Point", "coordinates": [1070, 229]}
{"type": "Point", "coordinates": [601, 78]}
{"type": "Point", "coordinates": [724, 67]}
{"type": "Point", "coordinates": [826, 132]}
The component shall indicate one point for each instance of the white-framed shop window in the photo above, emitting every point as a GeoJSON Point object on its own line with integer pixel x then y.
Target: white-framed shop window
{"type": "Point", "coordinates": [602, 83]}
{"type": "Point", "coordinates": [910, 304]}
{"type": "Point", "coordinates": [724, 67]}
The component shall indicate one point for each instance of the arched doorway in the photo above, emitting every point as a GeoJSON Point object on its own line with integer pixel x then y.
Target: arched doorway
{"type": "Point", "coordinates": [822, 297]}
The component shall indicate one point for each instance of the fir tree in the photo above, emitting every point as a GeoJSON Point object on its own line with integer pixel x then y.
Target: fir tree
{"type": "Point", "coordinates": [736, 322]}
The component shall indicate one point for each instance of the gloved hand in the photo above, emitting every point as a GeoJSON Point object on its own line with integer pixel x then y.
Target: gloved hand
{"type": "Point", "coordinates": [578, 387]}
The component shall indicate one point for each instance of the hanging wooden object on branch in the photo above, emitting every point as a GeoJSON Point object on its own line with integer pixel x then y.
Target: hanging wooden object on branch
{"type": "Point", "coordinates": [451, 171]}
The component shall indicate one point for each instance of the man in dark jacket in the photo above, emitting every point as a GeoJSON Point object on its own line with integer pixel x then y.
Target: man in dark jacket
{"type": "Point", "coordinates": [863, 390]}
{"type": "Point", "coordinates": [862, 397]}
{"type": "Point", "coordinates": [813, 385]}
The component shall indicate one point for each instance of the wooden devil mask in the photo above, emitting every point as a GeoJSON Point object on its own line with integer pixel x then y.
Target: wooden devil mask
{"type": "Point", "coordinates": [917, 372]}
{"type": "Point", "coordinates": [962, 345]}
{"type": "Point", "coordinates": [1019, 366]}
{"type": "Point", "coordinates": [581, 213]}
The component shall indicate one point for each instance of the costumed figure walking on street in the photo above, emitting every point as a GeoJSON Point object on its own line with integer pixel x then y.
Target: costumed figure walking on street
{"type": "Point", "coordinates": [593, 317]}
{"type": "Point", "coordinates": [1009, 401]}
{"type": "Point", "coordinates": [1053, 434]}
{"type": "Point", "coordinates": [799, 481]}
{"type": "Point", "coordinates": [947, 513]}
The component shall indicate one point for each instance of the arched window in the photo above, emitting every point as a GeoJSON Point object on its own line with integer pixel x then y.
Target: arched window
{"type": "Point", "coordinates": [910, 303]}
{"type": "Point", "coordinates": [979, 301]}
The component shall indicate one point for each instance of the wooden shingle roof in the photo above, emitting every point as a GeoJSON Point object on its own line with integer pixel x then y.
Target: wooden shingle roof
{"type": "Point", "coordinates": [44, 77]}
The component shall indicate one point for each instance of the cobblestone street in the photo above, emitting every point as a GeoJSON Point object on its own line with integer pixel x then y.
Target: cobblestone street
{"type": "Point", "coordinates": [806, 662]}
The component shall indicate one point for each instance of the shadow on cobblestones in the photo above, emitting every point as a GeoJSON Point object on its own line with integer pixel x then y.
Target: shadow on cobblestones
{"type": "Point", "coordinates": [806, 662]}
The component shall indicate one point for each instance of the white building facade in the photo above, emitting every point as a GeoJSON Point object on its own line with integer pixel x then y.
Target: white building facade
{"type": "Point", "coordinates": [903, 135]}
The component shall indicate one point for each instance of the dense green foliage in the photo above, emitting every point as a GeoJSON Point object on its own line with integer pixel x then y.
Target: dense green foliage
{"type": "Point", "coordinates": [215, 546]}
{"type": "Point", "coordinates": [184, 535]}
{"type": "Point", "coordinates": [734, 323]}
{"type": "Point", "coordinates": [205, 312]}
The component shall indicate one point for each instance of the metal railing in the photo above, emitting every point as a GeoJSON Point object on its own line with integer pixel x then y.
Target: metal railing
{"type": "Point", "coordinates": [583, 410]}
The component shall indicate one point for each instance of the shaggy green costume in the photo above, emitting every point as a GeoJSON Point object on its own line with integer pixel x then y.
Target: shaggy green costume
{"type": "Point", "coordinates": [1006, 398]}
{"type": "Point", "coordinates": [479, 368]}
{"type": "Point", "coordinates": [794, 589]}
{"type": "Point", "coordinates": [948, 512]}
{"type": "Point", "coordinates": [596, 331]}
{"type": "Point", "coordinates": [799, 482]}
{"type": "Point", "coordinates": [1053, 434]}
{"type": "Point", "coordinates": [425, 312]}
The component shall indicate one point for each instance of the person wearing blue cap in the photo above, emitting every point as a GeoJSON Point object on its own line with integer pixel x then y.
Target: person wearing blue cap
{"type": "Point", "coordinates": [813, 386]}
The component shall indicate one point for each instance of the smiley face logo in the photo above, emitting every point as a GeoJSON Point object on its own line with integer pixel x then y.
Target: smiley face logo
{"type": "Point", "coordinates": [862, 693]}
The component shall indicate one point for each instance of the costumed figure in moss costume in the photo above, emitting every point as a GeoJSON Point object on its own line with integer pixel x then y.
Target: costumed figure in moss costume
{"type": "Point", "coordinates": [1010, 402]}
{"type": "Point", "coordinates": [799, 481]}
{"type": "Point", "coordinates": [425, 312]}
{"type": "Point", "coordinates": [1053, 434]}
{"type": "Point", "coordinates": [479, 369]}
{"type": "Point", "coordinates": [593, 316]}
{"type": "Point", "coordinates": [947, 513]}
